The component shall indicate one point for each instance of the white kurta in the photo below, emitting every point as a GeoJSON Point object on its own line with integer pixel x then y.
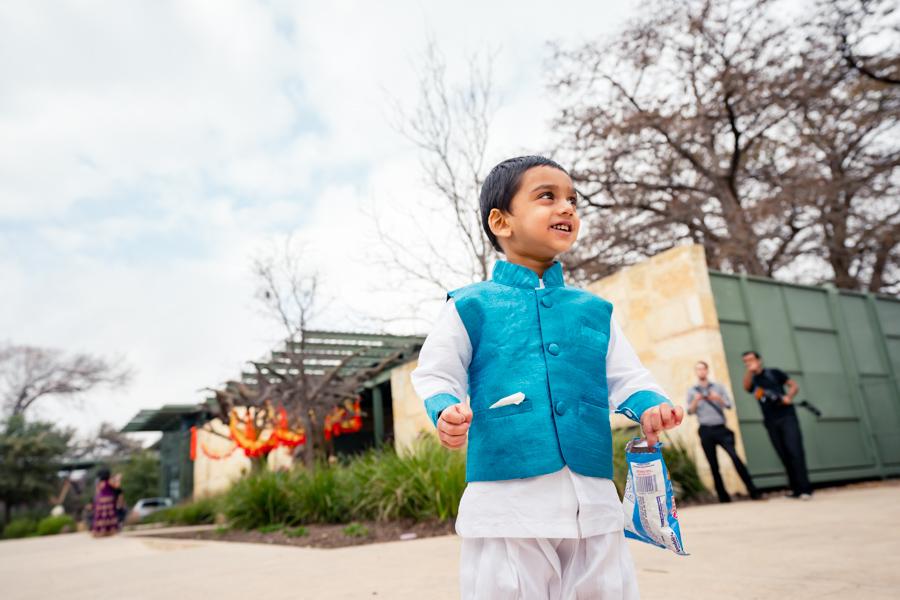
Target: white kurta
{"type": "Point", "coordinates": [557, 505]}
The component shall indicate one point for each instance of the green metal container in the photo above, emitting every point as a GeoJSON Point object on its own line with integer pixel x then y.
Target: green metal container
{"type": "Point", "coordinates": [843, 350]}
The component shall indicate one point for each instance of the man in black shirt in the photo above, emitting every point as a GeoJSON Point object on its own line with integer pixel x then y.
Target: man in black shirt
{"type": "Point", "coordinates": [780, 419]}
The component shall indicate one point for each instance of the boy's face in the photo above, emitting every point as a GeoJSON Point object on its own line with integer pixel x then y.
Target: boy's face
{"type": "Point", "coordinates": [542, 222]}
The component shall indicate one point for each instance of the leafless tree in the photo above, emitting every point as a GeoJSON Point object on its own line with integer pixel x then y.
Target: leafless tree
{"type": "Point", "coordinates": [29, 373]}
{"type": "Point", "coordinates": [447, 247]}
{"type": "Point", "coordinates": [718, 122]}
{"type": "Point", "coordinates": [867, 33]}
{"type": "Point", "coordinates": [106, 442]}
{"type": "Point", "coordinates": [305, 379]}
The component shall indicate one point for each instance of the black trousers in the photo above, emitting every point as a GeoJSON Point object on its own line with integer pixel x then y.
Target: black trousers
{"type": "Point", "coordinates": [788, 442]}
{"type": "Point", "coordinates": [719, 435]}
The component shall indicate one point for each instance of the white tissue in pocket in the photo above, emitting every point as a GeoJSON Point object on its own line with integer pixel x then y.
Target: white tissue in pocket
{"type": "Point", "coordinates": [514, 399]}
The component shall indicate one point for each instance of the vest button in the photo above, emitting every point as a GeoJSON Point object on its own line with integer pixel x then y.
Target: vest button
{"type": "Point", "coordinates": [553, 349]}
{"type": "Point", "coordinates": [546, 301]}
{"type": "Point", "coordinates": [561, 408]}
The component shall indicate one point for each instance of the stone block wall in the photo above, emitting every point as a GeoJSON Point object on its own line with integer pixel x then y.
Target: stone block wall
{"type": "Point", "coordinates": [665, 307]}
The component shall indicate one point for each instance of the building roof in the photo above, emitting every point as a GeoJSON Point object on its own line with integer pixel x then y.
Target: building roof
{"type": "Point", "coordinates": [324, 350]}
{"type": "Point", "coordinates": [167, 418]}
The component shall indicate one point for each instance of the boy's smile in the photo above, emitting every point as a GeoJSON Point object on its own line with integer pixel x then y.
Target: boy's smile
{"type": "Point", "coordinates": [542, 222]}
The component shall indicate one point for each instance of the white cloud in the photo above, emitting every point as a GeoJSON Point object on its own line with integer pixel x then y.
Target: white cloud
{"type": "Point", "coordinates": [151, 148]}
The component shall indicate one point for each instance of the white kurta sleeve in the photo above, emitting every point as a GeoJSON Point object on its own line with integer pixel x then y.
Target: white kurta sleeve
{"type": "Point", "coordinates": [632, 388]}
{"type": "Point", "coordinates": [442, 377]}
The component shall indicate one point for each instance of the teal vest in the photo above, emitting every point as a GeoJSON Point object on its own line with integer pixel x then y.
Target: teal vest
{"type": "Point", "coordinates": [549, 344]}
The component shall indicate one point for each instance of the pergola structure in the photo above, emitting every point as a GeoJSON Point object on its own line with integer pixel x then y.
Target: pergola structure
{"type": "Point", "coordinates": [323, 350]}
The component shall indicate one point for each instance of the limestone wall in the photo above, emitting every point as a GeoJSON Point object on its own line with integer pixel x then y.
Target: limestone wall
{"type": "Point", "coordinates": [410, 418]}
{"type": "Point", "coordinates": [665, 307]}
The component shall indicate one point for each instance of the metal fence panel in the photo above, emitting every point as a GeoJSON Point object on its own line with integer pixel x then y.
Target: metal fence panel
{"type": "Point", "coordinates": [842, 349]}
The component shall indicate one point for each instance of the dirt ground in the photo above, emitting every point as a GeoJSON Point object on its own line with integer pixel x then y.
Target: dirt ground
{"type": "Point", "coordinates": [326, 536]}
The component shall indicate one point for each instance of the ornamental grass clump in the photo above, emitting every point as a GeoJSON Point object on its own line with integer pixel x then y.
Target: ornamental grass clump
{"type": "Point", "coordinates": [424, 483]}
{"type": "Point", "coordinates": [323, 495]}
{"type": "Point", "coordinates": [262, 499]}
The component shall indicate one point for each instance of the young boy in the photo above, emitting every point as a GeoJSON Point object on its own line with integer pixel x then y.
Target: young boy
{"type": "Point", "coordinates": [542, 364]}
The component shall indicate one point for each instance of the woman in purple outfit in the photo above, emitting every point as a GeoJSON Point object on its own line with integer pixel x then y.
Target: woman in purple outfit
{"type": "Point", "coordinates": [106, 519]}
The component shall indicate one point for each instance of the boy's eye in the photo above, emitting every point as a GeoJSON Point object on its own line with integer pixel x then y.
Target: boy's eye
{"type": "Point", "coordinates": [546, 195]}
{"type": "Point", "coordinates": [574, 201]}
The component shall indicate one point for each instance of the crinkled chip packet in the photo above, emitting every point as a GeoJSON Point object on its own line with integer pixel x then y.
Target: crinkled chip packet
{"type": "Point", "coordinates": [649, 501]}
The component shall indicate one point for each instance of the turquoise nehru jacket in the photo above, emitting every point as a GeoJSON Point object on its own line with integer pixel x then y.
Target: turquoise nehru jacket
{"type": "Point", "coordinates": [549, 344]}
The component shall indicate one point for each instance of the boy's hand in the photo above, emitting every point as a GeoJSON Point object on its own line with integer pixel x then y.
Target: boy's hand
{"type": "Point", "coordinates": [658, 419]}
{"type": "Point", "coordinates": [453, 425]}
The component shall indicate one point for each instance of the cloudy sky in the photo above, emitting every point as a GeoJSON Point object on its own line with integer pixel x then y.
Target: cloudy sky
{"type": "Point", "coordinates": [150, 149]}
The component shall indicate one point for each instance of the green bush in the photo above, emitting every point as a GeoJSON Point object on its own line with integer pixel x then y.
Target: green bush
{"type": "Point", "coordinates": [54, 525]}
{"type": "Point", "coordinates": [425, 483]}
{"type": "Point", "coordinates": [197, 512]}
{"type": "Point", "coordinates": [324, 495]}
{"type": "Point", "coordinates": [683, 471]}
{"type": "Point", "coordinates": [262, 499]}
{"type": "Point", "coordinates": [19, 528]}
{"type": "Point", "coordinates": [356, 530]}
{"type": "Point", "coordinates": [299, 532]}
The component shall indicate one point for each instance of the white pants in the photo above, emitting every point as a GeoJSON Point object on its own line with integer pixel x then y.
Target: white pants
{"type": "Point", "coordinates": [595, 568]}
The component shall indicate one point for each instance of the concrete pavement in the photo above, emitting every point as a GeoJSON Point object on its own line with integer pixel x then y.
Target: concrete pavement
{"type": "Point", "coordinates": [844, 544]}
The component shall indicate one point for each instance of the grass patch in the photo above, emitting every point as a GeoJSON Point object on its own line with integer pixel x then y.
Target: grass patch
{"type": "Point", "coordinates": [356, 530]}
{"type": "Point", "coordinates": [269, 528]}
{"type": "Point", "coordinates": [298, 532]}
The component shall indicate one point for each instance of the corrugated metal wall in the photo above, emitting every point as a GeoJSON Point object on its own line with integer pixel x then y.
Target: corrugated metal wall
{"type": "Point", "coordinates": [843, 350]}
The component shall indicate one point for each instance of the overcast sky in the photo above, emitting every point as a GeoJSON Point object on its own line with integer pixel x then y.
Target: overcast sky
{"type": "Point", "coordinates": [150, 149]}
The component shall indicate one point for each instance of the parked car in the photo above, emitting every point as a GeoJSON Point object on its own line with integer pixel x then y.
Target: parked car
{"type": "Point", "coordinates": [146, 506]}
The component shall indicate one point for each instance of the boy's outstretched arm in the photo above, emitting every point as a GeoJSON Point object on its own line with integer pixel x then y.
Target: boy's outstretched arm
{"type": "Point", "coordinates": [441, 378]}
{"type": "Point", "coordinates": [634, 392]}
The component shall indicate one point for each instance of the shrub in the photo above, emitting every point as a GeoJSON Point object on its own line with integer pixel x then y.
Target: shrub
{"type": "Point", "coordinates": [54, 525]}
{"type": "Point", "coordinates": [683, 471]}
{"type": "Point", "coordinates": [426, 483]}
{"type": "Point", "coordinates": [262, 499]}
{"type": "Point", "coordinates": [198, 512]}
{"type": "Point", "coordinates": [323, 495]}
{"type": "Point", "coordinates": [356, 530]}
{"type": "Point", "coordinates": [299, 532]}
{"type": "Point", "coordinates": [19, 528]}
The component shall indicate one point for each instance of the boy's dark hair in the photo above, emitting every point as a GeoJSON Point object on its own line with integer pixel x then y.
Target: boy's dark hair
{"type": "Point", "coordinates": [501, 185]}
{"type": "Point", "coordinates": [753, 352]}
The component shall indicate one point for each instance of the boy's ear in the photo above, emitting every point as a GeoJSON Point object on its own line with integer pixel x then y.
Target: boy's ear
{"type": "Point", "coordinates": [499, 223]}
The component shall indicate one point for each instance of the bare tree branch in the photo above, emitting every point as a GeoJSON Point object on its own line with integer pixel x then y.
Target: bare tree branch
{"type": "Point", "coordinates": [29, 373]}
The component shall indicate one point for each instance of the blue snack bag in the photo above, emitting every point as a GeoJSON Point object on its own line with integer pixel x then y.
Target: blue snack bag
{"type": "Point", "coordinates": [649, 501]}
